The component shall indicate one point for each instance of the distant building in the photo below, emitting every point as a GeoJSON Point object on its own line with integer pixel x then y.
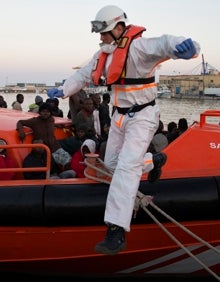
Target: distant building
{"type": "Point", "coordinates": [25, 88]}
{"type": "Point", "coordinates": [183, 86]}
{"type": "Point", "coordinates": [177, 86]}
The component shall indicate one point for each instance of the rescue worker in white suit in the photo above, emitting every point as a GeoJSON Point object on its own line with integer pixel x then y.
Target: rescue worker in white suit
{"type": "Point", "coordinates": [127, 61]}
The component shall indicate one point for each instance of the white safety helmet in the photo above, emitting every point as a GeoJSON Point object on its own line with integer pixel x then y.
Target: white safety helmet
{"type": "Point", "coordinates": [107, 18]}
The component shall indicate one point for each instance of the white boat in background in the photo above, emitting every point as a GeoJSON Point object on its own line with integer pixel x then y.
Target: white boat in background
{"type": "Point", "coordinates": [212, 91]}
{"type": "Point", "coordinates": [163, 92]}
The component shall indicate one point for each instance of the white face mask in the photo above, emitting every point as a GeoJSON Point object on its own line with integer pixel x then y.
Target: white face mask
{"type": "Point", "coordinates": [108, 48]}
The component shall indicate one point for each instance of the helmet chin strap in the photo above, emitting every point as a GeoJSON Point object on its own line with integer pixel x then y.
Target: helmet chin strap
{"type": "Point", "coordinates": [117, 39]}
{"type": "Point", "coordinates": [112, 35]}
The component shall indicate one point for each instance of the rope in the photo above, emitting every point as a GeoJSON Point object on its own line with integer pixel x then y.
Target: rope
{"type": "Point", "coordinates": [140, 195]}
{"type": "Point", "coordinates": [102, 171]}
{"type": "Point", "coordinates": [142, 201]}
{"type": "Point", "coordinates": [181, 245]}
{"type": "Point", "coordinates": [186, 229]}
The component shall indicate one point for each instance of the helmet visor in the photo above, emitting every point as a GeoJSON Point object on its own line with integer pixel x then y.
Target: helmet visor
{"type": "Point", "coordinates": [99, 26]}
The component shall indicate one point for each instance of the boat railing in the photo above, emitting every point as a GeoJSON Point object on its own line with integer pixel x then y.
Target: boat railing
{"type": "Point", "coordinates": [208, 113]}
{"type": "Point", "coordinates": [21, 169]}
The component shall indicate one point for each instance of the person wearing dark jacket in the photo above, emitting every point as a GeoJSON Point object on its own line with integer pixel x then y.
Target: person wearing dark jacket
{"type": "Point", "coordinates": [3, 103]}
{"type": "Point", "coordinates": [43, 127]}
{"type": "Point", "coordinates": [38, 158]}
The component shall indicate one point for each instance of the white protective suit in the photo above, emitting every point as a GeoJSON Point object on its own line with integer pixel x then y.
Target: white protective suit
{"type": "Point", "coordinates": [130, 136]}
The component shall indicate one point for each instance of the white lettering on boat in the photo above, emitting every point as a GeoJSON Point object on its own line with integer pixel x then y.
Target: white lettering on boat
{"type": "Point", "coordinates": [214, 145]}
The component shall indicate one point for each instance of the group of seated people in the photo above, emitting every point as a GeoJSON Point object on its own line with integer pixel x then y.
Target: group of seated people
{"type": "Point", "coordinates": [162, 138]}
{"type": "Point", "coordinates": [67, 155]}
{"type": "Point", "coordinates": [38, 158]}
{"type": "Point", "coordinates": [91, 125]}
{"type": "Point", "coordinates": [64, 153]}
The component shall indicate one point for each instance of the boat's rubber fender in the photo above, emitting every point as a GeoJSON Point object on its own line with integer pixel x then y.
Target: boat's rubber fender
{"type": "Point", "coordinates": [21, 205]}
{"type": "Point", "coordinates": [83, 204]}
{"type": "Point", "coordinates": [186, 198]}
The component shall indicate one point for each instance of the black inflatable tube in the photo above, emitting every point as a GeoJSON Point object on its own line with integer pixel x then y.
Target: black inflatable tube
{"type": "Point", "coordinates": [183, 199]}
{"type": "Point", "coordinates": [21, 205]}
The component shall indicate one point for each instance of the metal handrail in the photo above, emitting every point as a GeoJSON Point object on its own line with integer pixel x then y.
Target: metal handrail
{"type": "Point", "coordinates": [22, 169]}
{"type": "Point", "coordinates": [208, 113]}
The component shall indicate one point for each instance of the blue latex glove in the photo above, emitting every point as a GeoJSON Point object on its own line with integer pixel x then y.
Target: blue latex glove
{"type": "Point", "coordinates": [54, 92]}
{"type": "Point", "coordinates": [185, 50]}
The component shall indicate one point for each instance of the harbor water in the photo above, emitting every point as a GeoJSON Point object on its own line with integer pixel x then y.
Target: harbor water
{"type": "Point", "coordinates": [171, 109]}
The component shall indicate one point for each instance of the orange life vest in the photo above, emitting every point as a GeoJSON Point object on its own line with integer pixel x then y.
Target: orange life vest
{"type": "Point", "coordinates": [119, 57]}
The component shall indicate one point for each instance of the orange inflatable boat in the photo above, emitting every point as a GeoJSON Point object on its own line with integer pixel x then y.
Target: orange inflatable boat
{"type": "Point", "coordinates": [51, 226]}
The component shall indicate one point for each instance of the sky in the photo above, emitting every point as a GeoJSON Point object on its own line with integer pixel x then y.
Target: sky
{"type": "Point", "coordinates": [42, 40]}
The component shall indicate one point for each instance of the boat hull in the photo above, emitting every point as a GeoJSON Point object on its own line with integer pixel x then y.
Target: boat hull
{"type": "Point", "coordinates": [70, 251]}
{"type": "Point", "coordinates": [52, 229]}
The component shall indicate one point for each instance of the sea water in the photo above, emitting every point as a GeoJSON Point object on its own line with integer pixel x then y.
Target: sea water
{"type": "Point", "coordinates": [171, 109]}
